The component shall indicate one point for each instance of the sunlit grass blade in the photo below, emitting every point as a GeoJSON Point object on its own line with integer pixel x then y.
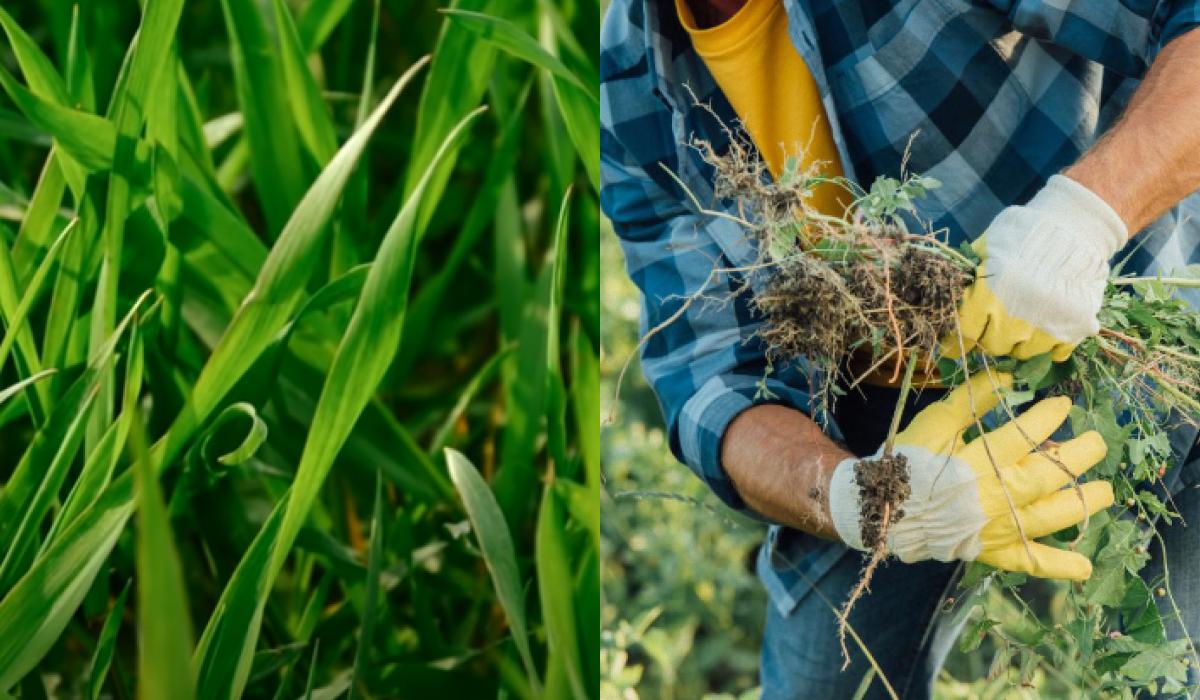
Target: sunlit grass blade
{"type": "Point", "coordinates": [164, 621]}
{"type": "Point", "coordinates": [29, 494]}
{"type": "Point", "coordinates": [14, 389]}
{"type": "Point", "coordinates": [38, 608]}
{"type": "Point", "coordinates": [578, 108]}
{"type": "Point", "coordinates": [308, 107]}
{"type": "Point", "coordinates": [281, 281]}
{"type": "Point", "coordinates": [319, 20]}
{"type": "Point", "coordinates": [101, 462]}
{"type": "Point", "coordinates": [105, 645]}
{"type": "Point", "coordinates": [41, 216]}
{"type": "Point", "coordinates": [510, 38]}
{"type": "Point", "coordinates": [499, 553]}
{"type": "Point", "coordinates": [15, 323]}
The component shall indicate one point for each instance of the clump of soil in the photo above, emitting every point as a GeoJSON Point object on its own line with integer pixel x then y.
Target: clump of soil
{"type": "Point", "coordinates": [883, 487]}
{"type": "Point", "coordinates": [860, 283]}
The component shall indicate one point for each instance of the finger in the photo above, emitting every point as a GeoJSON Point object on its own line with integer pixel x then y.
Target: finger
{"type": "Point", "coordinates": [1065, 508]}
{"type": "Point", "coordinates": [941, 422]}
{"type": "Point", "coordinates": [1037, 344]}
{"type": "Point", "coordinates": [1047, 562]}
{"type": "Point", "coordinates": [1062, 351]}
{"type": "Point", "coordinates": [1004, 333]}
{"type": "Point", "coordinates": [1018, 437]}
{"type": "Point", "coordinates": [1043, 472]}
{"type": "Point", "coordinates": [971, 322]}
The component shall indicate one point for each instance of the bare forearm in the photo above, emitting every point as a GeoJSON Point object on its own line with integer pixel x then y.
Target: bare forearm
{"type": "Point", "coordinates": [781, 463]}
{"type": "Point", "coordinates": [1151, 158]}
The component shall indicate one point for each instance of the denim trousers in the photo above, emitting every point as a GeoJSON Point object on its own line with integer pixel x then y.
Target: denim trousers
{"type": "Point", "coordinates": [910, 619]}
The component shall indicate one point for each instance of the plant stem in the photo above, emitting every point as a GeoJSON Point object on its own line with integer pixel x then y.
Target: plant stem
{"type": "Point", "coordinates": [1170, 281]}
{"type": "Point", "coordinates": [905, 387]}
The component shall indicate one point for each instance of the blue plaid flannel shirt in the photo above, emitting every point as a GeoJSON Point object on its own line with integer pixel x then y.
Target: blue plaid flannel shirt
{"type": "Point", "coordinates": [1003, 94]}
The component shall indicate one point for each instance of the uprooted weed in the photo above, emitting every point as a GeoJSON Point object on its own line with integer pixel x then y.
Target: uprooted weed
{"type": "Point", "coordinates": [859, 283]}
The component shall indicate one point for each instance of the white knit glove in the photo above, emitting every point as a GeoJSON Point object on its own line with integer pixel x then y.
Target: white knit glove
{"type": "Point", "coordinates": [1041, 283]}
{"type": "Point", "coordinates": [963, 494]}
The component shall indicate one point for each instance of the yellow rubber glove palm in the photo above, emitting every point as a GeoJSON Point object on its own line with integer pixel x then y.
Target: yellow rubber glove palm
{"type": "Point", "coordinates": [958, 508]}
{"type": "Point", "coordinates": [986, 325]}
{"type": "Point", "coordinates": [1041, 282]}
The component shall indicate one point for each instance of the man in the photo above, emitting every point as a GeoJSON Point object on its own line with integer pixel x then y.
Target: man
{"type": "Point", "coordinates": [1016, 106]}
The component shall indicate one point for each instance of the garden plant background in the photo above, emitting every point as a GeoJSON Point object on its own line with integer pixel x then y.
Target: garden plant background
{"type": "Point", "coordinates": [261, 264]}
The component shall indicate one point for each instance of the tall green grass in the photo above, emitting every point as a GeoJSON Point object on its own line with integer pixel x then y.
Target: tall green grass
{"type": "Point", "coordinates": [298, 378]}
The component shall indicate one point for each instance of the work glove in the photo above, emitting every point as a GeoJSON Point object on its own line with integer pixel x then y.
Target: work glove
{"type": "Point", "coordinates": [958, 510]}
{"type": "Point", "coordinates": [1041, 282]}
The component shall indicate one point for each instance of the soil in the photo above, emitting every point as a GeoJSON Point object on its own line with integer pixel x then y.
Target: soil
{"type": "Point", "coordinates": [883, 485]}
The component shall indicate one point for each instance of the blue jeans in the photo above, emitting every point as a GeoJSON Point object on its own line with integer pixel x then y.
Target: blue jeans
{"type": "Point", "coordinates": [910, 618]}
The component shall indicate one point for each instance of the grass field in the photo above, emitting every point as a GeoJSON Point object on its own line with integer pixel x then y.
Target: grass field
{"type": "Point", "coordinates": [298, 375]}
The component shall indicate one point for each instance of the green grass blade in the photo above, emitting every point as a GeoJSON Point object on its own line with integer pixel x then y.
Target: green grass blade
{"type": "Point", "coordinates": [106, 643]}
{"type": "Point", "coordinates": [585, 397]}
{"type": "Point", "coordinates": [427, 304]}
{"type": "Point", "coordinates": [362, 358]}
{"type": "Point", "coordinates": [281, 281]}
{"type": "Point", "coordinates": [164, 621]}
{"type": "Point", "coordinates": [510, 38]}
{"type": "Point", "coordinates": [555, 585]}
{"type": "Point", "coordinates": [313, 120]}
{"type": "Point", "coordinates": [364, 353]}
{"type": "Point", "coordinates": [35, 233]}
{"type": "Point", "coordinates": [499, 553]}
{"type": "Point", "coordinates": [35, 483]}
{"type": "Point", "coordinates": [38, 608]}
{"type": "Point", "coordinates": [462, 66]}
{"type": "Point", "coordinates": [225, 652]}
{"type": "Point", "coordinates": [10, 391]}
{"type": "Point", "coordinates": [58, 580]}
{"type": "Point", "coordinates": [15, 323]}
{"type": "Point", "coordinates": [578, 109]}
{"type": "Point", "coordinates": [362, 655]}
{"type": "Point", "coordinates": [466, 396]}
{"type": "Point", "coordinates": [100, 464]}
{"type": "Point", "coordinates": [87, 138]}
{"type": "Point", "coordinates": [278, 173]}
{"type": "Point", "coordinates": [319, 20]}
{"type": "Point", "coordinates": [527, 388]}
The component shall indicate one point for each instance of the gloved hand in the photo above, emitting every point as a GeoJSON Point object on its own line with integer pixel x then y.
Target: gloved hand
{"type": "Point", "coordinates": [1041, 282]}
{"type": "Point", "coordinates": [957, 508]}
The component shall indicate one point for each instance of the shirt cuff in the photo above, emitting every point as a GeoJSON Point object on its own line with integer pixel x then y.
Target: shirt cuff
{"type": "Point", "coordinates": [1183, 17]}
{"type": "Point", "coordinates": [708, 413]}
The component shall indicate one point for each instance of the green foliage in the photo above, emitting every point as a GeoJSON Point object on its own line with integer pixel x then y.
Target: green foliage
{"type": "Point", "coordinates": [255, 277]}
{"type": "Point", "coordinates": [682, 610]}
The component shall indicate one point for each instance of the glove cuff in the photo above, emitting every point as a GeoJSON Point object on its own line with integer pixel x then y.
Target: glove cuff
{"type": "Point", "coordinates": [1065, 199]}
{"type": "Point", "coordinates": [845, 504]}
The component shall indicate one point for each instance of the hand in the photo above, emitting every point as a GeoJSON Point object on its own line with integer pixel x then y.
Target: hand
{"type": "Point", "coordinates": [1042, 279]}
{"type": "Point", "coordinates": [958, 508]}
